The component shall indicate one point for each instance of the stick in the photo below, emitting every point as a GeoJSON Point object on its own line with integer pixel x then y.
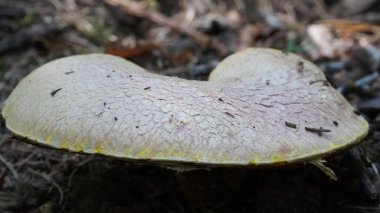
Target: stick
{"type": "Point", "coordinates": [139, 10]}
{"type": "Point", "coordinates": [49, 179]}
{"type": "Point", "coordinates": [10, 167]}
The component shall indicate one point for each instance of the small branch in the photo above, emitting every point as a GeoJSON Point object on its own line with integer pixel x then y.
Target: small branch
{"type": "Point", "coordinates": [291, 125]}
{"type": "Point", "coordinates": [49, 179]}
{"type": "Point", "coordinates": [316, 130]}
{"type": "Point", "coordinates": [71, 176]}
{"type": "Point", "coordinates": [10, 167]}
{"type": "Point", "coordinates": [139, 10]}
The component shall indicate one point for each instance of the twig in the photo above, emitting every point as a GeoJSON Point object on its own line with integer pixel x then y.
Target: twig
{"type": "Point", "coordinates": [49, 179]}
{"type": "Point", "coordinates": [71, 176]}
{"type": "Point", "coordinates": [316, 130]}
{"type": "Point", "coordinates": [25, 160]}
{"type": "Point", "coordinates": [291, 125]}
{"type": "Point", "coordinates": [139, 10]}
{"type": "Point", "coordinates": [324, 82]}
{"type": "Point", "coordinates": [3, 138]}
{"type": "Point", "coordinates": [10, 167]}
{"type": "Point", "coordinates": [375, 170]}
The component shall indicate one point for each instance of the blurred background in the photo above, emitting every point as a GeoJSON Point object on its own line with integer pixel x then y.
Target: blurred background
{"type": "Point", "coordinates": [188, 39]}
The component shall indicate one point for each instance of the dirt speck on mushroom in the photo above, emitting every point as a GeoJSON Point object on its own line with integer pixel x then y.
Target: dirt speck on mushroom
{"type": "Point", "coordinates": [54, 92]}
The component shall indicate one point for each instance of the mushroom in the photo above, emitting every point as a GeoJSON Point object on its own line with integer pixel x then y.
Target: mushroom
{"type": "Point", "coordinates": [260, 107]}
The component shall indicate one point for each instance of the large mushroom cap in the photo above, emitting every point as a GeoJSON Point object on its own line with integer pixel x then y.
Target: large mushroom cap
{"type": "Point", "coordinates": [103, 104]}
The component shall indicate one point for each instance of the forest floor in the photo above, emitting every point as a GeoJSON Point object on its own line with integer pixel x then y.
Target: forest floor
{"type": "Point", "coordinates": [188, 39]}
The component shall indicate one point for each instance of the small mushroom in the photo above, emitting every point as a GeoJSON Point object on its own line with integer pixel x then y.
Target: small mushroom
{"type": "Point", "coordinates": [234, 119]}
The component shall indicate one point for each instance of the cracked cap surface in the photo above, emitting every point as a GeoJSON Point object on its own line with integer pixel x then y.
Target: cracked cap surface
{"type": "Point", "coordinates": [255, 110]}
